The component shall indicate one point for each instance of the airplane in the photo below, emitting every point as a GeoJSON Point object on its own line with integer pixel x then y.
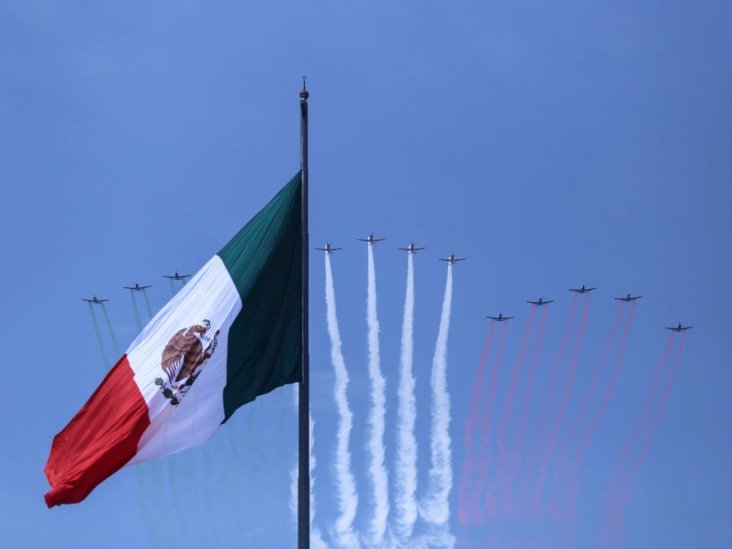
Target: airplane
{"type": "Point", "coordinates": [177, 276]}
{"type": "Point", "coordinates": [451, 259]}
{"type": "Point", "coordinates": [328, 249]}
{"type": "Point", "coordinates": [136, 287]}
{"type": "Point", "coordinates": [500, 317]}
{"type": "Point", "coordinates": [679, 328]}
{"type": "Point", "coordinates": [94, 300]}
{"type": "Point", "coordinates": [582, 290]}
{"type": "Point", "coordinates": [371, 239]}
{"type": "Point", "coordinates": [540, 302]}
{"type": "Point", "coordinates": [412, 249]}
{"type": "Point", "coordinates": [628, 298]}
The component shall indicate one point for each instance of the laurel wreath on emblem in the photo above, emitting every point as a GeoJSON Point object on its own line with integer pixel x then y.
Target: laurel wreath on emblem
{"type": "Point", "coordinates": [183, 359]}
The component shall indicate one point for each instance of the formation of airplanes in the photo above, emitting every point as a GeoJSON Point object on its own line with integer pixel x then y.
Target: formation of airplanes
{"type": "Point", "coordinates": [136, 287]}
{"type": "Point", "coordinates": [412, 248]}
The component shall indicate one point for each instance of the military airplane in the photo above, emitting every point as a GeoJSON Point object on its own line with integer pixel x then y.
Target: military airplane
{"type": "Point", "coordinates": [328, 249]}
{"type": "Point", "coordinates": [177, 276]}
{"type": "Point", "coordinates": [540, 302]}
{"type": "Point", "coordinates": [628, 298]}
{"type": "Point", "coordinates": [371, 239]}
{"type": "Point", "coordinates": [500, 317]}
{"type": "Point", "coordinates": [679, 328]}
{"type": "Point", "coordinates": [412, 249]}
{"type": "Point", "coordinates": [136, 287]}
{"type": "Point", "coordinates": [94, 300]}
{"type": "Point", "coordinates": [451, 259]}
{"type": "Point", "coordinates": [582, 290]}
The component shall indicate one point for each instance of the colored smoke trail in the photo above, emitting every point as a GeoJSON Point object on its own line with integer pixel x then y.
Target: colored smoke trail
{"type": "Point", "coordinates": [147, 304]}
{"type": "Point", "coordinates": [346, 497]}
{"type": "Point", "coordinates": [525, 404]}
{"type": "Point", "coordinates": [111, 331]}
{"type": "Point", "coordinates": [545, 416]}
{"type": "Point", "coordinates": [504, 456]}
{"type": "Point", "coordinates": [625, 471]}
{"type": "Point", "coordinates": [376, 450]}
{"type": "Point", "coordinates": [649, 403]}
{"type": "Point", "coordinates": [435, 507]}
{"type": "Point", "coordinates": [470, 464]}
{"type": "Point", "coordinates": [638, 462]}
{"type": "Point", "coordinates": [564, 402]}
{"type": "Point", "coordinates": [477, 388]}
{"type": "Point", "coordinates": [98, 333]}
{"type": "Point", "coordinates": [405, 470]}
{"type": "Point", "coordinates": [576, 464]}
{"type": "Point", "coordinates": [136, 311]}
{"type": "Point", "coordinates": [484, 452]}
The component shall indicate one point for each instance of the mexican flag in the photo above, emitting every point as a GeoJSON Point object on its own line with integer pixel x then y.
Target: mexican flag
{"type": "Point", "coordinates": [232, 333]}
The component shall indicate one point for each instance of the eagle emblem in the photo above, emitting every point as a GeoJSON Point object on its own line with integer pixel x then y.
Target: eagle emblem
{"type": "Point", "coordinates": [183, 359]}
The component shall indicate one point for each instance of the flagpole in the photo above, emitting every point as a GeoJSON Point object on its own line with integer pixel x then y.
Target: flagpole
{"type": "Point", "coordinates": [303, 484]}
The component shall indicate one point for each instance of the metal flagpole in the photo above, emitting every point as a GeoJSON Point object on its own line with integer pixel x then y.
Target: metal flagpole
{"type": "Point", "coordinates": [303, 484]}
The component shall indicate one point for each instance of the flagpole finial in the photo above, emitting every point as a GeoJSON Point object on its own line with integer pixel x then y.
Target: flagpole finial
{"type": "Point", "coordinates": [304, 94]}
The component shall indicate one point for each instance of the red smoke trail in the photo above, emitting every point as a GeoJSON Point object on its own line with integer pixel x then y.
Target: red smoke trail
{"type": "Point", "coordinates": [525, 405]}
{"type": "Point", "coordinates": [548, 404]}
{"type": "Point", "coordinates": [503, 451]}
{"type": "Point", "coordinates": [477, 387]}
{"type": "Point", "coordinates": [470, 464]}
{"type": "Point", "coordinates": [625, 471]}
{"type": "Point", "coordinates": [485, 422]}
{"type": "Point", "coordinates": [576, 465]}
{"type": "Point", "coordinates": [554, 432]}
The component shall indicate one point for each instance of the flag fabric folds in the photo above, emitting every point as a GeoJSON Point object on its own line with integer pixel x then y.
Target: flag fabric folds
{"type": "Point", "coordinates": [231, 334]}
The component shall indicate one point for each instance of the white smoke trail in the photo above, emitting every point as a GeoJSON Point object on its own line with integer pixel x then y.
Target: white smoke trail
{"type": "Point", "coordinates": [377, 469]}
{"type": "Point", "coordinates": [316, 538]}
{"type": "Point", "coordinates": [405, 501]}
{"type": "Point", "coordinates": [435, 507]}
{"type": "Point", "coordinates": [343, 532]}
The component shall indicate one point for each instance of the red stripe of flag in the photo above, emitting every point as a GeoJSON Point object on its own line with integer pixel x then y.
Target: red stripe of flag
{"type": "Point", "coordinates": [100, 439]}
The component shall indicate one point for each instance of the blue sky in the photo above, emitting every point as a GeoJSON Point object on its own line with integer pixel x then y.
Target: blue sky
{"type": "Point", "coordinates": [551, 145]}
